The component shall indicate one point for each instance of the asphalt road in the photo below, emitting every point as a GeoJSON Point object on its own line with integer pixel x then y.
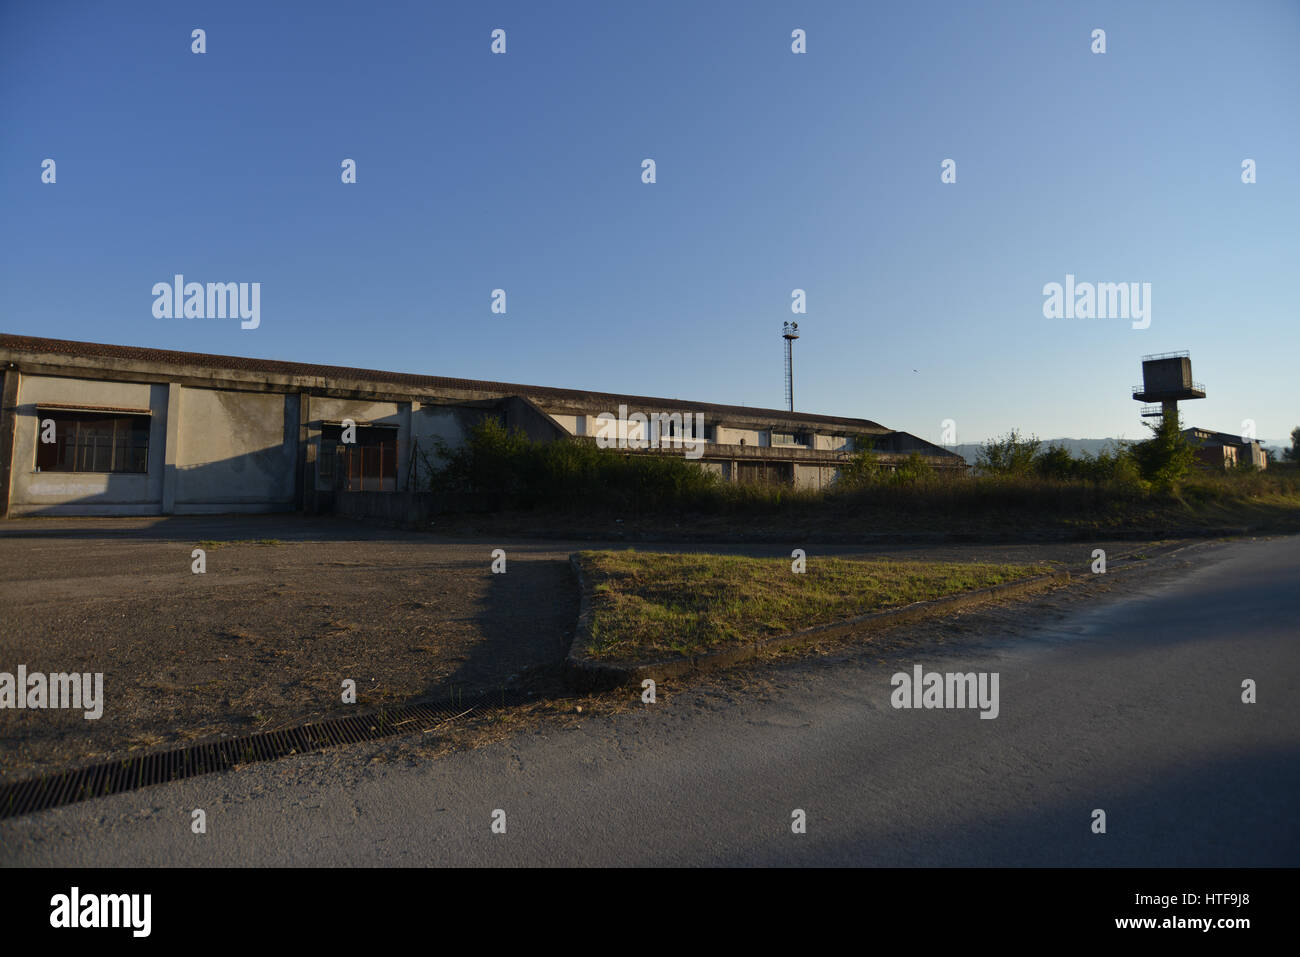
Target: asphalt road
{"type": "Point", "coordinates": [1132, 706]}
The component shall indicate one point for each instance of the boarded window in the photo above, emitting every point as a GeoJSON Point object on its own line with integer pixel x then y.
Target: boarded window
{"type": "Point", "coordinates": [92, 442]}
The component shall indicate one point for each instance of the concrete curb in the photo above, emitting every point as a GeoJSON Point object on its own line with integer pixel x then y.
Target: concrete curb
{"type": "Point", "coordinates": [583, 673]}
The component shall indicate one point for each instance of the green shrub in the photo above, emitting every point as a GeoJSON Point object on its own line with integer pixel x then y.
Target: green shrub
{"type": "Point", "coordinates": [509, 470]}
{"type": "Point", "coordinates": [1164, 459]}
{"type": "Point", "coordinates": [1056, 462]}
{"type": "Point", "coordinates": [913, 470]}
{"type": "Point", "coordinates": [861, 470]}
{"type": "Point", "coordinates": [1011, 455]}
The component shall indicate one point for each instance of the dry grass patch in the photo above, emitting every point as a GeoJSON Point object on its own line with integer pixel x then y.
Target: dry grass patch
{"type": "Point", "coordinates": [648, 605]}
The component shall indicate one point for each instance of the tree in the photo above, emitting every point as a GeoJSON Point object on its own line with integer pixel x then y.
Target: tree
{"type": "Point", "coordinates": [1165, 458]}
{"type": "Point", "coordinates": [1057, 463]}
{"type": "Point", "coordinates": [1293, 453]}
{"type": "Point", "coordinates": [862, 468]}
{"type": "Point", "coordinates": [911, 470]}
{"type": "Point", "coordinates": [1012, 455]}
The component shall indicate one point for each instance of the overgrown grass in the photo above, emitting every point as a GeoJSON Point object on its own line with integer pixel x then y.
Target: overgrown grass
{"type": "Point", "coordinates": [588, 487]}
{"type": "Point", "coordinates": [211, 543]}
{"type": "Point", "coordinates": [648, 605]}
{"type": "Point", "coordinates": [506, 469]}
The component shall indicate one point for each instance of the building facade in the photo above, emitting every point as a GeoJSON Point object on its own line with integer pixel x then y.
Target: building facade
{"type": "Point", "coordinates": [1225, 450]}
{"type": "Point", "coordinates": [93, 429]}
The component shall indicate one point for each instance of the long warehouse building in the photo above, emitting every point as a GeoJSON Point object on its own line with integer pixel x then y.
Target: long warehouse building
{"type": "Point", "coordinates": [92, 429]}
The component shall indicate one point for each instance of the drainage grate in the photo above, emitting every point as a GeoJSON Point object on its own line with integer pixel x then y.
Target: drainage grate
{"type": "Point", "coordinates": [114, 777]}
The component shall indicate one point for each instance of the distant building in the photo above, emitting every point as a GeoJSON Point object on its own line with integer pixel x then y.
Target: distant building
{"type": "Point", "coordinates": [1225, 450]}
{"type": "Point", "coordinates": [91, 429]}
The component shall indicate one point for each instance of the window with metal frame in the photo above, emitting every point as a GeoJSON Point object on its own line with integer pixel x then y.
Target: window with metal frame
{"type": "Point", "coordinates": [369, 464]}
{"type": "Point", "coordinates": [92, 442]}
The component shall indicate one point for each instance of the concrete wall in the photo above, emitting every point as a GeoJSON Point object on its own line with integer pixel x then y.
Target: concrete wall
{"type": "Point", "coordinates": [814, 476]}
{"type": "Point", "coordinates": [832, 443]}
{"type": "Point", "coordinates": [399, 508]}
{"type": "Point", "coordinates": [238, 451]}
{"type": "Point", "coordinates": [326, 409]}
{"type": "Point", "coordinates": [1167, 375]}
{"type": "Point", "coordinates": [530, 418]}
{"type": "Point", "coordinates": [728, 436]}
{"type": "Point", "coordinates": [85, 493]}
{"type": "Point", "coordinates": [432, 423]}
{"type": "Point", "coordinates": [571, 423]}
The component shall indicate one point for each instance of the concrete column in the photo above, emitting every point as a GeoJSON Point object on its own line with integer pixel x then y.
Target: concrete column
{"type": "Point", "coordinates": [406, 443]}
{"type": "Point", "coordinates": [8, 419]}
{"type": "Point", "coordinates": [171, 448]}
{"type": "Point", "coordinates": [306, 477]}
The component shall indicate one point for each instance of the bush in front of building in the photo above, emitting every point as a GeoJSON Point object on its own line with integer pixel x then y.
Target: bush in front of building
{"type": "Point", "coordinates": [504, 468]}
{"type": "Point", "coordinates": [864, 471]}
{"type": "Point", "coordinates": [1164, 459]}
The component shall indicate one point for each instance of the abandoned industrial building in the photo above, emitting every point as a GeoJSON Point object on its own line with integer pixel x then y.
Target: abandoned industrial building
{"type": "Point", "coordinates": [1224, 451]}
{"type": "Point", "coordinates": [91, 429]}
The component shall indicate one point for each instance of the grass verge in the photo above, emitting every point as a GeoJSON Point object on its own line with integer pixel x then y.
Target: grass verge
{"type": "Point", "coordinates": [648, 605]}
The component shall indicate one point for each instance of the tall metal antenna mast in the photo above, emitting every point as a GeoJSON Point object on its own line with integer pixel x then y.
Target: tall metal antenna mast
{"type": "Point", "coordinates": [789, 334]}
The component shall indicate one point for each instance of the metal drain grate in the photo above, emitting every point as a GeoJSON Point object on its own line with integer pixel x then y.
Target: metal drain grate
{"type": "Point", "coordinates": [114, 777]}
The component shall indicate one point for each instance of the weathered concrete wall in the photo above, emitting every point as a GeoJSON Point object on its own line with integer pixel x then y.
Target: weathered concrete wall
{"type": "Point", "coordinates": [238, 451]}
{"type": "Point", "coordinates": [832, 443]}
{"type": "Point", "coordinates": [571, 423]}
{"type": "Point", "coordinates": [728, 436]}
{"type": "Point", "coordinates": [85, 493]}
{"type": "Point", "coordinates": [9, 380]}
{"type": "Point", "coordinates": [326, 409]}
{"type": "Point", "coordinates": [433, 423]}
{"type": "Point", "coordinates": [399, 508]}
{"type": "Point", "coordinates": [814, 476]}
{"type": "Point", "coordinates": [524, 414]}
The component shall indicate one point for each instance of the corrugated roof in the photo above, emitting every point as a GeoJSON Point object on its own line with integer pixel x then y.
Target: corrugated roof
{"type": "Point", "coordinates": [96, 350]}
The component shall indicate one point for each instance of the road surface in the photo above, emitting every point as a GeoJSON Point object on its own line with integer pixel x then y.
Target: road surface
{"type": "Point", "coordinates": [1132, 706]}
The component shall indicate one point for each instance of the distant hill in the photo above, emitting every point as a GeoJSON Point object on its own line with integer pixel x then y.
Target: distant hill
{"type": "Point", "coordinates": [1076, 447]}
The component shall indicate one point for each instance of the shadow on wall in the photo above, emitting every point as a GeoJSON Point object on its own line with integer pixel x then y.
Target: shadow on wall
{"type": "Point", "coordinates": [263, 480]}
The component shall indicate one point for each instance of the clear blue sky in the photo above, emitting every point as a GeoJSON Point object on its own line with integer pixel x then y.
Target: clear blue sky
{"type": "Point", "coordinates": [775, 171]}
